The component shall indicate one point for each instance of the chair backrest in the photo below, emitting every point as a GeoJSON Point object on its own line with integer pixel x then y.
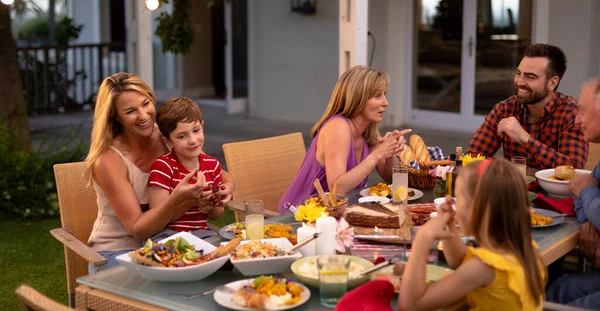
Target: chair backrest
{"type": "Point", "coordinates": [264, 168]}
{"type": "Point", "coordinates": [31, 299]}
{"type": "Point", "coordinates": [78, 211]}
{"type": "Point", "coordinates": [593, 156]}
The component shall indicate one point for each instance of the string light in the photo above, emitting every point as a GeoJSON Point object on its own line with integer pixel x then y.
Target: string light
{"type": "Point", "coordinates": [8, 2]}
{"type": "Point", "coordinates": [150, 4]}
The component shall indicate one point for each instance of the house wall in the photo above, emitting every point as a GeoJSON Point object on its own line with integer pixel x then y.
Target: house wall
{"type": "Point", "coordinates": [292, 60]}
{"type": "Point", "coordinates": [197, 69]}
{"type": "Point", "coordinates": [86, 12]}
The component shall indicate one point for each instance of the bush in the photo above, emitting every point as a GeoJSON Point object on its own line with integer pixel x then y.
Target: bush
{"type": "Point", "coordinates": [27, 186]}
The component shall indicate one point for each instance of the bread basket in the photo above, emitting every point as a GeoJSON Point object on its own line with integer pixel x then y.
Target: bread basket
{"type": "Point", "coordinates": [420, 178]}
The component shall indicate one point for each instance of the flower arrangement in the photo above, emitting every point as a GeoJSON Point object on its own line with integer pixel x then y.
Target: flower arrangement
{"type": "Point", "coordinates": [439, 172]}
{"type": "Point", "coordinates": [439, 178]}
{"type": "Point", "coordinates": [309, 212]}
{"type": "Point", "coordinates": [467, 158]}
{"type": "Point", "coordinates": [344, 236]}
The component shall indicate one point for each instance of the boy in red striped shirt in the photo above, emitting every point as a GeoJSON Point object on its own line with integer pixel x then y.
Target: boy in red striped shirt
{"type": "Point", "coordinates": [180, 122]}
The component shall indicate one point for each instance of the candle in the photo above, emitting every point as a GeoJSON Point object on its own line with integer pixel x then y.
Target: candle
{"type": "Point", "coordinates": [326, 241]}
{"type": "Point", "coordinates": [304, 232]}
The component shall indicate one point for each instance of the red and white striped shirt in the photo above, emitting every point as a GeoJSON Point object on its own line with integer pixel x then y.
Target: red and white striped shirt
{"type": "Point", "coordinates": [167, 172]}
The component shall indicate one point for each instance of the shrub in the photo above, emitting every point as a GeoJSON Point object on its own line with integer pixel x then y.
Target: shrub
{"type": "Point", "coordinates": [27, 186]}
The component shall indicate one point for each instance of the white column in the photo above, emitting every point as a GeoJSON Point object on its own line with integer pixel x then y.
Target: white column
{"type": "Point", "coordinates": [541, 21]}
{"type": "Point", "coordinates": [139, 41]}
{"type": "Point", "coordinates": [354, 18]}
{"type": "Point", "coordinates": [234, 105]}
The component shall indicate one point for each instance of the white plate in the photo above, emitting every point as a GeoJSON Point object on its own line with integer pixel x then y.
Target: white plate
{"type": "Point", "coordinates": [226, 299]}
{"type": "Point", "coordinates": [549, 213]}
{"type": "Point", "coordinates": [418, 193]}
{"type": "Point", "coordinates": [271, 265]}
{"type": "Point", "coordinates": [183, 274]}
{"type": "Point", "coordinates": [373, 198]}
{"type": "Point", "coordinates": [231, 234]}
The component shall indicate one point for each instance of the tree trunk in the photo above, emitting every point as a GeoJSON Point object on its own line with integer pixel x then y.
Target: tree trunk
{"type": "Point", "coordinates": [12, 100]}
{"type": "Point", "coordinates": [51, 21]}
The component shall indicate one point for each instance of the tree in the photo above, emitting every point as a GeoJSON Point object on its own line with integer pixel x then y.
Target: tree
{"type": "Point", "coordinates": [12, 100]}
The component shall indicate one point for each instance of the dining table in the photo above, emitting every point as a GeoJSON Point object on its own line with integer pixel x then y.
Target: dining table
{"type": "Point", "coordinates": [120, 289]}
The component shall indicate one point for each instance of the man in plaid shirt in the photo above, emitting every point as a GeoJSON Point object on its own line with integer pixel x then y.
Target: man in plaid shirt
{"type": "Point", "coordinates": [538, 122]}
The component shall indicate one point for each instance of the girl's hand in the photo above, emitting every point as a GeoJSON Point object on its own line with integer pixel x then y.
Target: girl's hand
{"type": "Point", "coordinates": [440, 227]}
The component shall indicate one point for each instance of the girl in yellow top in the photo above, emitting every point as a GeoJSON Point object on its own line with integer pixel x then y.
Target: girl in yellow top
{"type": "Point", "coordinates": [505, 272]}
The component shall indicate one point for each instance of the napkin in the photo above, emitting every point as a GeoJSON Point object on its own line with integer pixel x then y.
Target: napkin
{"type": "Point", "coordinates": [371, 296]}
{"type": "Point", "coordinates": [435, 153]}
{"type": "Point", "coordinates": [534, 185]}
{"type": "Point", "coordinates": [564, 206]}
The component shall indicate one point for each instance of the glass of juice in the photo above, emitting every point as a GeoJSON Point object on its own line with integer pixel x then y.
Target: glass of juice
{"type": "Point", "coordinates": [333, 279]}
{"type": "Point", "coordinates": [255, 219]}
{"type": "Point", "coordinates": [521, 163]}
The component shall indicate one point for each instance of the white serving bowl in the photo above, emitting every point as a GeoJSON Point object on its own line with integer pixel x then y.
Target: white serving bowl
{"type": "Point", "coordinates": [439, 201]}
{"type": "Point", "coordinates": [556, 188]}
{"type": "Point", "coordinates": [271, 265]}
{"type": "Point", "coordinates": [313, 279]}
{"type": "Point", "coordinates": [183, 274]}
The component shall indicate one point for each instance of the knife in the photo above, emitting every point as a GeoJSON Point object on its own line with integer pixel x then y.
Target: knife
{"type": "Point", "coordinates": [380, 265]}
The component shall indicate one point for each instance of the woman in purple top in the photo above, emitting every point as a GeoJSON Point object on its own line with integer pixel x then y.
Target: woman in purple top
{"type": "Point", "coordinates": [346, 143]}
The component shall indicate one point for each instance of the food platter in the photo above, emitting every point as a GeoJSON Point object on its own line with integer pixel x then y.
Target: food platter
{"type": "Point", "coordinates": [225, 298]}
{"type": "Point", "coordinates": [557, 219]}
{"type": "Point", "coordinates": [418, 193]}
{"type": "Point", "coordinates": [231, 234]}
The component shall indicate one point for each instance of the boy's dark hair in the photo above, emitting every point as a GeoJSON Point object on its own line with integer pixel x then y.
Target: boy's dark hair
{"type": "Point", "coordinates": [175, 110]}
{"type": "Point", "coordinates": [557, 61]}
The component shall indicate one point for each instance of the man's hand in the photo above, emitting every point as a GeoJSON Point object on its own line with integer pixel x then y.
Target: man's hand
{"type": "Point", "coordinates": [579, 182]}
{"type": "Point", "coordinates": [511, 127]}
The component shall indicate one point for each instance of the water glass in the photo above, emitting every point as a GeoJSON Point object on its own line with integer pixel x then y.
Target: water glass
{"type": "Point", "coordinates": [400, 184]}
{"type": "Point", "coordinates": [333, 279]}
{"type": "Point", "coordinates": [432, 257]}
{"type": "Point", "coordinates": [521, 163]}
{"type": "Point", "coordinates": [255, 219]}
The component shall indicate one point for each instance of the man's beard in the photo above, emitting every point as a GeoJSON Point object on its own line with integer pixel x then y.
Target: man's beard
{"type": "Point", "coordinates": [533, 97]}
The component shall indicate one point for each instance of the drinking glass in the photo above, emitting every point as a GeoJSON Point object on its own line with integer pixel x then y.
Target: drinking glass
{"type": "Point", "coordinates": [255, 219]}
{"type": "Point", "coordinates": [333, 279]}
{"type": "Point", "coordinates": [400, 184]}
{"type": "Point", "coordinates": [433, 249]}
{"type": "Point", "coordinates": [521, 163]}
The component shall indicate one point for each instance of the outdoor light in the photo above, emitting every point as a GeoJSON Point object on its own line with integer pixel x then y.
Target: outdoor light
{"type": "Point", "coordinates": [8, 2]}
{"type": "Point", "coordinates": [150, 4]}
{"type": "Point", "coordinates": [304, 6]}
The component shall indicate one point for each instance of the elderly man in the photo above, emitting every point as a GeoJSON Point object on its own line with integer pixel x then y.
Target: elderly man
{"type": "Point", "coordinates": [583, 290]}
{"type": "Point", "coordinates": [538, 122]}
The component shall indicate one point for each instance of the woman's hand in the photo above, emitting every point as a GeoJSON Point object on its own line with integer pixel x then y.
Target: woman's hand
{"type": "Point", "coordinates": [388, 145]}
{"type": "Point", "coordinates": [186, 191]}
{"type": "Point", "coordinates": [225, 193]}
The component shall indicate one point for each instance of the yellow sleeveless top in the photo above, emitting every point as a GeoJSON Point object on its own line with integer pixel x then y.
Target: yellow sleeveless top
{"type": "Point", "coordinates": [508, 291]}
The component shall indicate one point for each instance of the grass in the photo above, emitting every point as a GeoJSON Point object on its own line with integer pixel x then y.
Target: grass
{"type": "Point", "coordinates": [31, 255]}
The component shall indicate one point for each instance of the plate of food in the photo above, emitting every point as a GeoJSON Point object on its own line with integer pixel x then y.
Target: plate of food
{"type": "Point", "coordinates": [543, 218]}
{"type": "Point", "coordinates": [306, 271]}
{"type": "Point", "coordinates": [181, 257]}
{"type": "Point", "coordinates": [263, 256]}
{"type": "Point", "coordinates": [382, 189]}
{"type": "Point", "coordinates": [253, 294]}
{"type": "Point", "coordinates": [271, 230]}
{"type": "Point", "coordinates": [393, 274]}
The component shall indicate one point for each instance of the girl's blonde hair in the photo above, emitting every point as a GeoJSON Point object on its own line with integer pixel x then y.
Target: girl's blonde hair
{"type": "Point", "coordinates": [500, 216]}
{"type": "Point", "coordinates": [106, 126]}
{"type": "Point", "coordinates": [350, 95]}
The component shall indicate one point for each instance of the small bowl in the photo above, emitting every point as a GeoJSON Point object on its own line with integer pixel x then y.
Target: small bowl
{"type": "Point", "coordinates": [531, 195]}
{"type": "Point", "coordinates": [556, 188]}
{"type": "Point", "coordinates": [439, 201]}
{"type": "Point", "coordinates": [271, 265]}
{"type": "Point", "coordinates": [336, 211]}
{"type": "Point", "coordinates": [308, 263]}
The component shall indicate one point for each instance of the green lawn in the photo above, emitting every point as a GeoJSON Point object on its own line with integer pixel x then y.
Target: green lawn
{"type": "Point", "coordinates": [31, 255]}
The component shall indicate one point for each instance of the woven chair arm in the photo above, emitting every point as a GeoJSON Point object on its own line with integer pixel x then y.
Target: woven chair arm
{"type": "Point", "coordinates": [240, 207]}
{"type": "Point", "coordinates": [78, 247]}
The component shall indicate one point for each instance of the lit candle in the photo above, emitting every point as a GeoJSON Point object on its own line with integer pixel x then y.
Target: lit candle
{"type": "Point", "coordinates": [304, 232]}
{"type": "Point", "coordinates": [326, 241]}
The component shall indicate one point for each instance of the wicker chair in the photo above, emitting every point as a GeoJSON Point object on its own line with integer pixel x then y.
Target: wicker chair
{"type": "Point", "coordinates": [78, 211]}
{"type": "Point", "coordinates": [593, 156]}
{"type": "Point", "coordinates": [263, 169]}
{"type": "Point", "coordinates": [32, 300]}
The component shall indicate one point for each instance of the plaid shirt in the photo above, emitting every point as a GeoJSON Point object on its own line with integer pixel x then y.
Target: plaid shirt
{"type": "Point", "coordinates": [554, 140]}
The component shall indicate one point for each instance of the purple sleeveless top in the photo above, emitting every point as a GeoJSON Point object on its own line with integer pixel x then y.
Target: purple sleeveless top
{"type": "Point", "coordinates": [302, 186]}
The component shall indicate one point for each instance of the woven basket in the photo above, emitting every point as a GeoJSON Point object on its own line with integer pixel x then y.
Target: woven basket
{"type": "Point", "coordinates": [420, 178]}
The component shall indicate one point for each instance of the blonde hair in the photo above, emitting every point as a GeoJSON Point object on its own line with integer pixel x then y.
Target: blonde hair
{"type": "Point", "coordinates": [500, 216]}
{"type": "Point", "coordinates": [106, 126]}
{"type": "Point", "coordinates": [350, 95]}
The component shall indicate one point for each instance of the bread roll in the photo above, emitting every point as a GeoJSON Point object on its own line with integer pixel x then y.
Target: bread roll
{"type": "Point", "coordinates": [407, 155]}
{"type": "Point", "coordinates": [564, 172]}
{"type": "Point", "coordinates": [419, 149]}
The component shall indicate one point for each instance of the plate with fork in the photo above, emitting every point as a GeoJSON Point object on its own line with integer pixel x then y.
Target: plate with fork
{"type": "Point", "coordinates": [226, 297]}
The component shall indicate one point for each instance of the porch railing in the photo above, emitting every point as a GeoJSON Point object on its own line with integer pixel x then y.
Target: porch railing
{"type": "Point", "coordinates": [60, 78]}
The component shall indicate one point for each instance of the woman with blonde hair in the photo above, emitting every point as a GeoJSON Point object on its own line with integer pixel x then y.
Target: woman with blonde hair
{"type": "Point", "coordinates": [346, 144]}
{"type": "Point", "coordinates": [125, 142]}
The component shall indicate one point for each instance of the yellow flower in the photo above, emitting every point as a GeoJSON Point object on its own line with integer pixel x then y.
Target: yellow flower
{"type": "Point", "coordinates": [467, 158]}
{"type": "Point", "coordinates": [309, 212]}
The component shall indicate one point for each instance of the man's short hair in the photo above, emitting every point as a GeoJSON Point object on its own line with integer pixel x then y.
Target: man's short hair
{"type": "Point", "coordinates": [175, 110]}
{"type": "Point", "coordinates": [557, 61]}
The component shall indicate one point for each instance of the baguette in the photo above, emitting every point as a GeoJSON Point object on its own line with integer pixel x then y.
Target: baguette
{"type": "Point", "coordinates": [419, 149]}
{"type": "Point", "coordinates": [407, 155]}
{"type": "Point", "coordinates": [226, 249]}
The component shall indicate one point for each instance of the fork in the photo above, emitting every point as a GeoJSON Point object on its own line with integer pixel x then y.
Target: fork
{"type": "Point", "coordinates": [223, 288]}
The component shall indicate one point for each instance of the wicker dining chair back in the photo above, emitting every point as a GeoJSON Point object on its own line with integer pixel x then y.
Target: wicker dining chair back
{"type": "Point", "coordinates": [32, 300]}
{"type": "Point", "coordinates": [78, 211]}
{"type": "Point", "coordinates": [264, 168]}
{"type": "Point", "coordinates": [593, 156]}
